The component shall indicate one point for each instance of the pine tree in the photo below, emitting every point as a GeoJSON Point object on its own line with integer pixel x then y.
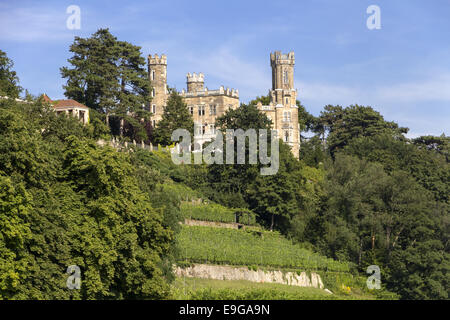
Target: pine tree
{"type": "Point", "coordinates": [109, 76]}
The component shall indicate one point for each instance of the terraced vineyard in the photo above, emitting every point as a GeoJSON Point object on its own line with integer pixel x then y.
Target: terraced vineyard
{"type": "Point", "coordinates": [249, 248]}
{"type": "Point", "coordinates": [218, 213]}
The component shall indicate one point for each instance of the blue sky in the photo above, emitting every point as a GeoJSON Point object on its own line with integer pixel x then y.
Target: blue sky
{"type": "Point", "coordinates": [401, 70]}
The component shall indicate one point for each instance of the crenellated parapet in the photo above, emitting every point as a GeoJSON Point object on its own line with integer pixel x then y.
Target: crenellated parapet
{"type": "Point", "coordinates": [204, 92]}
{"type": "Point", "coordinates": [157, 60]}
{"type": "Point", "coordinates": [193, 77]}
{"type": "Point", "coordinates": [279, 58]}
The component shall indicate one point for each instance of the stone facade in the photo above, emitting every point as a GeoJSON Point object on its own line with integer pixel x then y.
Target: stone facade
{"type": "Point", "coordinates": [282, 109]}
{"type": "Point", "coordinates": [157, 70]}
{"type": "Point", "coordinates": [207, 105]}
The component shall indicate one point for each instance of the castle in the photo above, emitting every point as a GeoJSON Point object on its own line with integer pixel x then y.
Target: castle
{"type": "Point", "coordinates": [207, 105]}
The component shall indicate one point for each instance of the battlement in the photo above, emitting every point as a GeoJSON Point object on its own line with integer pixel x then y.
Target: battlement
{"type": "Point", "coordinates": [195, 77]}
{"type": "Point", "coordinates": [222, 91]}
{"type": "Point", "coordinates": [279, 58]}
{"type": "Point", "coordinates": [157, 60]}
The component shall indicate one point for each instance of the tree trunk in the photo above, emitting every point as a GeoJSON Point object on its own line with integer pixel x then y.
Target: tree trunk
{"type": "Point", "coordinates": [271, 225]}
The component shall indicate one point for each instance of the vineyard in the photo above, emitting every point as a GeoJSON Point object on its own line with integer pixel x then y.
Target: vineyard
{"type": "Point", "coordinates": [249, 248]}
{"type": "Point", "coordinates": [183, 192]}
{"type": "Point", "coordinates": [218, 213]}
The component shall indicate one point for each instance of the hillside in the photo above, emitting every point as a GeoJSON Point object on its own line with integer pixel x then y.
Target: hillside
{"type": "Point", "coordinates": [247, 263]}
{"type": "Point", "coordinates": [135, 223]}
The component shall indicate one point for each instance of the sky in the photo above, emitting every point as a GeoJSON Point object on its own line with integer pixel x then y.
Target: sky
{"type": "Point", "coordinates": [401, 69]}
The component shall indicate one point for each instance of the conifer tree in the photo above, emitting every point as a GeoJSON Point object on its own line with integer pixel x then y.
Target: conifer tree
{"type": "Point", "coordinates": [176, 116]}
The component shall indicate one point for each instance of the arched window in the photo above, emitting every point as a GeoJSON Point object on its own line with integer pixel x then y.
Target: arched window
{"type": "Point", "coordinates": [152, 75]}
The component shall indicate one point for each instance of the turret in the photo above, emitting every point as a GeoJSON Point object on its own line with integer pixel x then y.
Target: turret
{"type": "Point", "coordinates": [195, 82]}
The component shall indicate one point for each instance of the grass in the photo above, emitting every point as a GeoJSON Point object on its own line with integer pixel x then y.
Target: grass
{"type": "Point", "coordinates": [200, 289]}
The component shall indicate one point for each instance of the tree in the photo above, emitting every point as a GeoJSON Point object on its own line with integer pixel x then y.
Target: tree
{"type": "Point", "coordinates": [275, 195]}
{"type": "Point", "coordinates": [176, 116]}
{"type": "Point", "coordinates": [109, 76]}
{"type": "Point", "coordinates": [14, 233]}
{"type": "Point", "coordinates": [230, 182]}
{"type": "Point", "coordinates": [9, 82]}
{"type": "Point", "coordinates": [439, 144]}
{"type": "Point", "coordinates": [345, 124]}
{"type": "Point", "coordinates": [66, 201]}
{"type": "Point", "coordinates": [427, 165]}
{"type": "Point", "coordinates": [371, 216]}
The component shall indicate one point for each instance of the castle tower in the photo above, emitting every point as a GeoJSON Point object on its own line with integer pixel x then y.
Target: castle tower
{"type": "Point", "coordinates": [283, 91]}
{"type": "Point", "coordinates": [157, 70]}
{"type": "Point", "coordinates": [195, 82]}
{"type": "Point", "coordinates": [283, 110]}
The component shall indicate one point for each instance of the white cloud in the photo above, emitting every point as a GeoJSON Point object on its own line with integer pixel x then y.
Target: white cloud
{"type": "Point", "coordinates": [435, 89]}
{"type": "Point", "coordinates": [328, 93]}
{"type": "Point", "coordinates": [33, 24]}
{"type": "Point", "coordinates": [223, 64]}
{"type": "Point", "coordinates": [432, 89]}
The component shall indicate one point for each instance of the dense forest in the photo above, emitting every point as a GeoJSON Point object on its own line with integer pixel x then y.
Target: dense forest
{"type": "Point", "coordinates": [362, 192]}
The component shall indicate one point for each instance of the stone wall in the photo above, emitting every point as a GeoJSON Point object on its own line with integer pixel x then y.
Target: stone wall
{"type": "Point", "coordinates": [191, 222]}
{"type": "Point", "coordinates": [217, 272]}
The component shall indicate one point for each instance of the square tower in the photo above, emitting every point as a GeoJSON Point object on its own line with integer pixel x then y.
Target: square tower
{"type": "Point", "coordinates": [157, 70]}
{"type": "Point", "coordinates": [282, 109]}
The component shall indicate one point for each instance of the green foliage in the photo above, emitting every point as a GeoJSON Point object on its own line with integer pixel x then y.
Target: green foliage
{"type": "Point", "coordinates": [64, 201]}
{"type": "Point", "coordinates": [9, 82]}
{"type": "Point", "coordinates": [312, 152]}
{"type": "Point", "coordinates": [176, 116]}
{"type": "Point", "coordinates": [372, 217]}
{"type": "Point", "coordinates": [14, 233]}
{"type": "Point", "coordinates": [275, 195]}
{"type": "Point", "coordinates": [208, 212]}
{"type": "Point", "coordinates": [428, 165]}
{"type": "Point", "coordinates": [344, 124]}
{"type": "Point", "coordinates": [97, 122]}
{"type": "Point", "coordinates": [241, 247]}
{"type": "Point", "coordinates": [109, 76]}
{"type": "Point", "coordinates": [218, 213]}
